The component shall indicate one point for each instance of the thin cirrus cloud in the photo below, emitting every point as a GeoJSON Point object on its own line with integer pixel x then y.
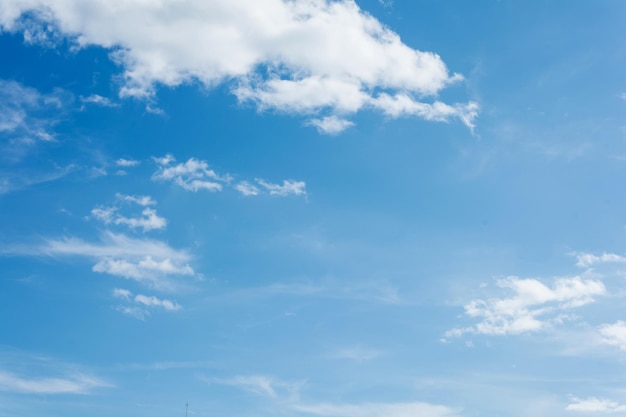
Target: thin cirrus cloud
{"type": "Point", "coordinates": [302, 57]}
{"type": "Point", "coordinates": [287, 395]}
{"type": "Point", "coordinates": [408, 409]}
{"type": "Point", "coordinates": [73, 384]}
{"type": "Point", "coordinates": [532, 307]}
{"type": "Point", "coordinates": [195, 175]}
{"type": "Point", "coordinates": [27, 116]}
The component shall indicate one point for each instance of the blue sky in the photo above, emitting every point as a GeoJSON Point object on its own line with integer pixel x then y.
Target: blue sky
{"type": "Point", "coordinates": [312, 208]}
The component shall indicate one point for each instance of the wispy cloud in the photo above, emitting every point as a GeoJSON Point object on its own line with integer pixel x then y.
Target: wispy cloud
{"type": "Point", "coordinates": [288, 187]}
{"type": "Point", "coordinates": [72, 384]}
{"type": "Point", "coordinates": [36, 374]}
{"type": "Point", "coordinates": [192, 175]}
{"type": "Point", "coordinates": [145, 260]}
{"type": "Point", "coordinates": [195, 175]}
{"type": "Point", "coordinates": [141, 305]}
{"type": "Point", "coordinates": [127, 163]}
{"type": "Point", "coordinates": [299, 57]}
{"type": "Point", "coordinates": [410, 409]}
{"type": "Point", "coordinates": [595, 405]}
{"type": "Point", "coordinates": [533, 306]}
{"type": "Point", "coordinates": [357, 353]}
{"type": "Point", "coordinates": [149, 219]}
{"type": "Point", "coordinates": [263, 385]}
{"type": "Point", "coordinates": [587, 260]}
{"type": "Point", "coordinates": [15, 180]}
{"type": "Point", "coordinates": [27, 116]}
{"type": "Point", "coordinates": [97, 100]}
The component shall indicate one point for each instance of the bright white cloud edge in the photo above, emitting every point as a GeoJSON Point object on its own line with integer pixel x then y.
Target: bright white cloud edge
{"type": "Point", "coordinates": [296, 56]}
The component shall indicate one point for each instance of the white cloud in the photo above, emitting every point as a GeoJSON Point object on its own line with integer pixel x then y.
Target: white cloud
{"type": "Point", "coordinates": [142, 304]}
{"type": "Point", "coordinates": [586, 260]}
{"type": "Point", "coordinates": [595, 405]}
{"type": "Point", "coordinates": [404, 105]}
{"type": "Point", "coordinates": [144, 269]}
{"type": "Point", "coordinates": [97, 100]}
{"type": "Point", "coordinates": [287, 188]}
{"type": "Point", "coordinates": [614, 334]}
{"type": "Point", "coordinates": [74, 384]}
{"type": "Point", "coordinates": [142, 200]}
{"type": "Point", "coordinates": [27, 118]}
{"type": "Point", "coordinates": [127, 163]}
{"type": "Point", "coordinates": [301, 56]}
{"type": "Point", "coordinates": [193, 175]}
{"type": "Point", "coordinates": [149, 219]}
{"type": "Point", "coordinates": [121, 293]}
{"type": "Point", "coordinates": [410, 409]}
{"type": "Point", "coordinates": [532, 307]}
{"type": "Point", "coordinates": [152, 301]}
{"type": "Point", "coordinates": [247, 189]}
{"type": "Point", "coordinates": [263, 385]}
{"type": "Point", "coordinates": [331, 125]}
{"type": "Point", "coordinates": [144, 260]}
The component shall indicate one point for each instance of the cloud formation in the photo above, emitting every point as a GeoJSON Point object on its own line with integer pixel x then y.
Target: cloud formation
{"type": "Point", "coordinates": [533, 306]}
{"type": "Point", "coordinates": [73, 384]}
{"type": "Point", "coordinates": [141, 305]}
{"type": "Point", "coordinates": [144, 260]}
{"type": "Point", "coordinates": [307, 57]}
{"type": "Point", "coordinates": [595, 405]}
{"type": "Point", "coordinates": [192, 175]}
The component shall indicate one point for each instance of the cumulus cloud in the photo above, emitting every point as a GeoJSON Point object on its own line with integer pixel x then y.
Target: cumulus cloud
{"type": "Point", "coordinates": [595, 405]}
{"type": "Point", "coordinates": [330, 125]}
{"type": "Point", "coordinates": [193, 175]}
{"type": "Point", "coordinates": [298, 56]}
{"type": "Point", "coordinates": [533, 306]}
{"type": "Point", "coordinates": [614, 334]}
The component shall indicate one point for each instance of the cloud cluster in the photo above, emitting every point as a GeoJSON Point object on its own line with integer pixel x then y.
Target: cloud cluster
{"type": "Point", "coordinates": [533, 306]}
{"type": "Point", "coordinates": [195, 175]}
{"type": "Point", "coordinates": [192, 175]}
{"type": "Point", "coordinates": [148, 220]}
{"type": "Point", "coordinates": [141, 305]}
{"type": "Point", "coordinates": [311, 57]}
